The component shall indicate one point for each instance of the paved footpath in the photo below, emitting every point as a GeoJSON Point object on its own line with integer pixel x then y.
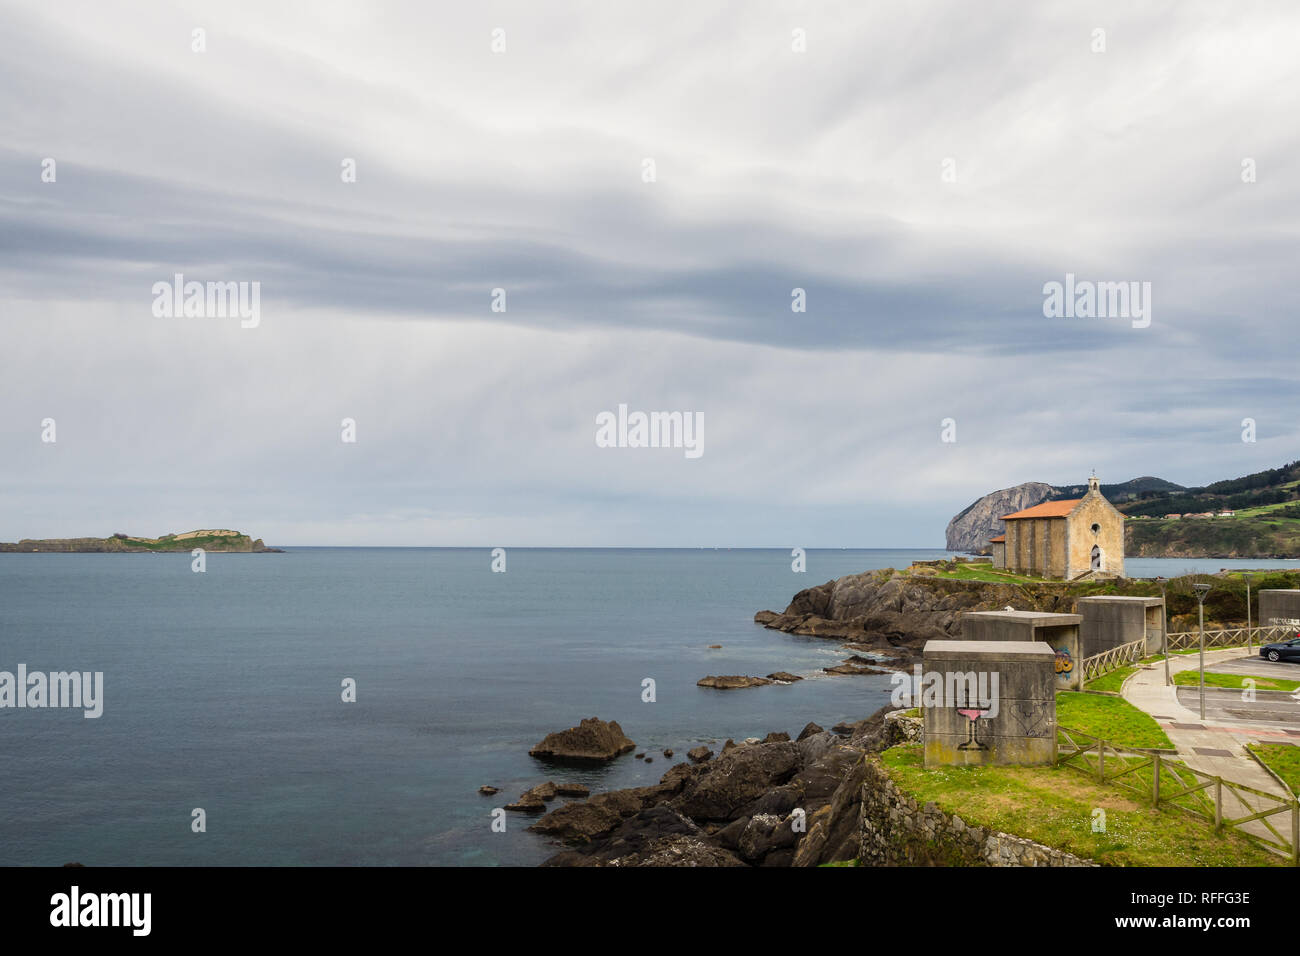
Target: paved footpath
{"type": "Point", "coordinates": [1215, 745]}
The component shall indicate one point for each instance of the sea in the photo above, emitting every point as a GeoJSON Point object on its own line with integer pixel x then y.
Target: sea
{"type": "Point", "coordinates": [225, 738]}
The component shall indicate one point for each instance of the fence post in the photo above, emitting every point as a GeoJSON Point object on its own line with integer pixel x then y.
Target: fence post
{"type": "Point", "coordinates": [1155, 783]}
{"type": "Point", "coordinates": [1218, 804]}
{"type": "Point", "coordinates": [1295, 832]}
{"type": "Point", "coordinates": [1101, 761]}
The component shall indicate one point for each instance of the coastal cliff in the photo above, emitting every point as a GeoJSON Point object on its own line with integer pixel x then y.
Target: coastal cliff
{"type": "Point", "coordinates": [220, 540]}
{"type": "Point", "coordinates": [971, 529]}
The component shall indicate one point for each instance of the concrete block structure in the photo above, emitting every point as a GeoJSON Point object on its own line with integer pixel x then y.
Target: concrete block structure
{"type": "Point", "coordinates": [988, 702]}
{"type": "Point", "coordinates": [1059, 631]}
{"type": "Point", "coordinates": [1279, 607]}
{"type": "Point", "coordinates": [1109, 621]}
{"type": "Point", "coordinates": [1064, 539]}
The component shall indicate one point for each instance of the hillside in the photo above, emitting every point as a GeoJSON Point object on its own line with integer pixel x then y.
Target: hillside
{"type": "Point", "coordinates": [208, 540]}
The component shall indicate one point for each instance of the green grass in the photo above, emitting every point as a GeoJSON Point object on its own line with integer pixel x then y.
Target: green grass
{"type": "Point", "coordinates": [1054, 806]}
{"type": "Point", "coordinates": [1193, 679]}
{"type": "Point", "coordinates": [982, 572]}
{"type": "Point", "coordinates": [208, 542]}
{"type": "Point", "coordinates": [1283, 760]}
{"type": "Point", "coordinates": [1112, 681]}
{"type": "Point", "coordinates": [1111, 718]}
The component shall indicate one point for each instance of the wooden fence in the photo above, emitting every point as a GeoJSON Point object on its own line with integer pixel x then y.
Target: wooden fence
{"type": "Point", "coordinates": [1107, 661]}
{"type": "Point", "coordinates": [1231, 636]}
{"type": "Point", "coordinates": [1160, 777]}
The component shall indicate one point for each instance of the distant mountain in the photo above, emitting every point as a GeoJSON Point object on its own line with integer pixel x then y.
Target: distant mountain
{"type": "Point", "coordinates": [1125, 491]}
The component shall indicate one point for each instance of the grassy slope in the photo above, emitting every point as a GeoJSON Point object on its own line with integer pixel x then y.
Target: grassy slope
{"type": "Point", "coordinates": [1054, 806]}
{"type": "Point", "coordinates": [1111, 682]}
{"type": "Point", "coordinates": [1283, 760]}
{"type": "Point", "coordinates": [1110, 718]}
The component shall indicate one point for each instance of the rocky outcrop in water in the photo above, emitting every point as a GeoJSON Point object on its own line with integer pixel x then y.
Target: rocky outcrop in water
{"type": "Point", "coordinates": [592, 741]}
{"type": "Point", "coordinates": [731, 681]}
{"type": "Point", "coordinates": [971, 529]}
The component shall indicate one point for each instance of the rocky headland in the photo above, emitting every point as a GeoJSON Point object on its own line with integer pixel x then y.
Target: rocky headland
{"type": "Point", "coordinates": [891, 613]}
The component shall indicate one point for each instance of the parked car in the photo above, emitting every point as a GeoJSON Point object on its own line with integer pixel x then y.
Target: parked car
{"type": "Point", "coordinates": [1284, 651]}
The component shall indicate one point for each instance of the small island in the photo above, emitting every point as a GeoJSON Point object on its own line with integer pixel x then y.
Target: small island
{"type": "Point", "coordinates": [208, 540]}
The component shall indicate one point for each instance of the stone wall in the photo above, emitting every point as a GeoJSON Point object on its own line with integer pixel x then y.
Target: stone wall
{"type": "Point", "coordinates": [909, 729]}
{"type": "Point", "coordinates": [897, 831]}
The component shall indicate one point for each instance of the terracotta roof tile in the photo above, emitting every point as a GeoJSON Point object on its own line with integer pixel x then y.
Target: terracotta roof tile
{"type": "Point", "coordinates": [1001, 537]}
{"type": "Point", "coordinates": [1048, 509]}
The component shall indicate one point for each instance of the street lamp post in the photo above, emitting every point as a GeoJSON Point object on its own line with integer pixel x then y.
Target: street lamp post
{"type": "Point", "coordinates": [1245, 576]}
{"type": "Point", "coordinates": [1201, 591]}
{"type": "Point", "coordinates": [1164, 628]}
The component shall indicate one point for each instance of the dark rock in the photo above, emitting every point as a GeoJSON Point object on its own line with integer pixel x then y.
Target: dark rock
{"type": "Point", "coordinates": [699, 754]}
{"type": "Point", "coordinates": [814, 747]}
{"type": "Point", "coordinates": [850, 668]}
{"type": "Point", "coordinates": [543, 791]}
{"type": "Point", "coordinates": [729, 745]}
{"type": "Point", "coordinates": [668, 753]}
{"type": "Point", "coordinates": [592, 741]}
{"type": "Point", "coordinates": [640, 756]}
{"type": "Point", "coordinates": [820, 778]}
{"type": "Point", "coordinates": [731, 681]}
{"type": "Point", "coordinates": [581, 822]}
{"type": "Point", "coordinates": [488, 791]}
{"type": "Point", "coordinates": [763, 834]}
{"type": "Point", "coordinates": [779, 858]}
{"type": "Point", "coordinates": [780, 800]}
{"type": "Point", "coordinates": [679, 851]}
{"type": "Point", "coordinates": [808, 730]}
{"type": "Point", "coordinates": [676, 776]}
{"type": "Point", "coordinates": [737, 777]}
{"type": "Point", "coordinates": [527, 804]}
{"type": "Point", "coordinates": [729, 836]}
{"type": "Point", "coordinates": [572, 790]}
{"type": "Point", "coordinates": [776, 735]}
{"type": "Point", "coordinates": [784, 676]}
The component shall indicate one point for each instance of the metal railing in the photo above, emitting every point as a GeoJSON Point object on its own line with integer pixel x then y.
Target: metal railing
{"type": "Point", "coordinates": [1164, 778]}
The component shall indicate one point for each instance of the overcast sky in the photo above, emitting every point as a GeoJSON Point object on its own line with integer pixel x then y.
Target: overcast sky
{"type": "Point", "coordinates": [829, 169]}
